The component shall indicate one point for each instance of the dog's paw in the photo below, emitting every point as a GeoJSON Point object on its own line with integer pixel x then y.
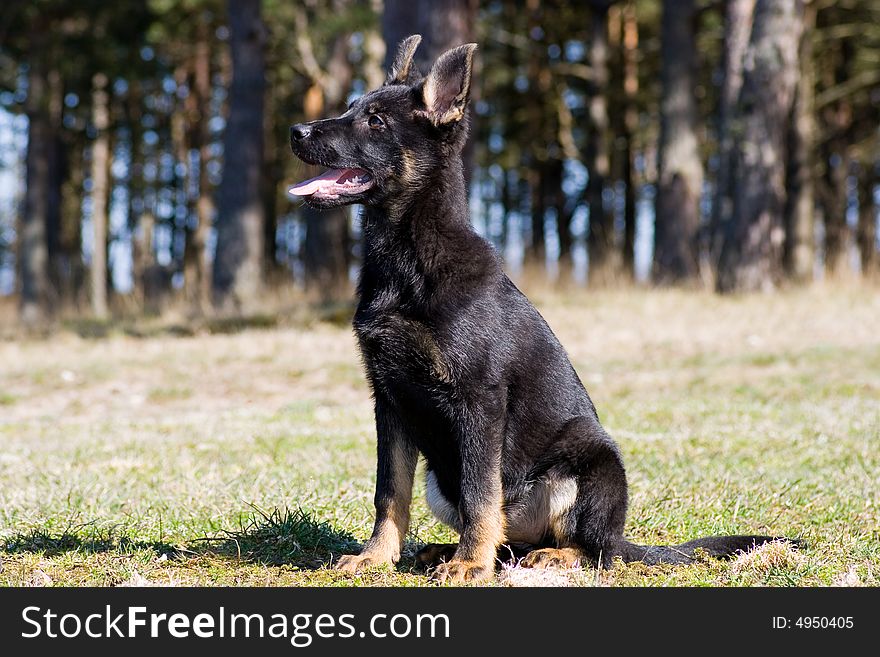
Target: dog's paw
{"type": "Point", "coordinates": [434, 554]}
{"type": "Point", "coordinates": [552, 558]}
{"type": "Point", "coordinates": [461, 571]}
{"type": "Point", "coordinates": [355, 563]}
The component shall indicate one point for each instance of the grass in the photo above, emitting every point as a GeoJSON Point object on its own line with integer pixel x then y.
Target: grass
{"type": "Point", "coordinates": [247, 458]}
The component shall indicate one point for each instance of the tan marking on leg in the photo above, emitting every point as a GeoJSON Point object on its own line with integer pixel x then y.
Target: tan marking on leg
{"type": "Point", "coordinates": [390, 528]}
{"type": "Point", "coordinates": [553, 558]}
{"type": "Point", "coordinates": [475, 557]}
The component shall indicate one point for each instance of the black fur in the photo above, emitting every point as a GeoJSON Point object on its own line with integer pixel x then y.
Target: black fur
{"type": "Point", "coordinates": [464, 370]}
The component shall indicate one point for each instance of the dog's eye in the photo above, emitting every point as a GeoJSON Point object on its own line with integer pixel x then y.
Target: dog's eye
{"type": "Point", "coordinates": [375, 121]}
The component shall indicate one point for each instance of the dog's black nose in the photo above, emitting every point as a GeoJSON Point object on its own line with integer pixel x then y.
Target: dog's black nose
{"type": "Point", "coordinates": [299, 131]}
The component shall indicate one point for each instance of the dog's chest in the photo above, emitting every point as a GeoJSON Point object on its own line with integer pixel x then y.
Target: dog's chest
{"type": "Point", "coordinates": [401, 350]}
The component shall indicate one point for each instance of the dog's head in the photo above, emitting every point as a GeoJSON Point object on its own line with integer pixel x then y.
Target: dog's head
{"type": "Point", "coordinates": [391, 140]}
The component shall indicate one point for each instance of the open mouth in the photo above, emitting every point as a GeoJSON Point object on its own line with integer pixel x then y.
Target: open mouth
{"type": "Point", "coordinates": [334, 183]}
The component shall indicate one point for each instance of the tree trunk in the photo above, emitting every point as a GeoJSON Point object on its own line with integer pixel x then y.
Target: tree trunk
{"type": "Point", "coordinates": [837, 120]}
{"type": "Point", "coordinates": [680, 171]}
{"type": "Point", "coordinates": [866, 229]}
{"type": "Point", "coordinates": [71, 269]}
{"type": "Point", "coordinates": [738, 15]}
{"type": "Point", "coordinates": [600, 240]}
{"type": "Point", "coordinates": [833, 193]}
{"type": "Point", "coordinates": [751, 257]}
{"type": "Point", "coordinates": [276, 274]}
{"type": "Point", "coordinates": [200, 141]}
{"type": "Point", "coordinates": [538, 156]}
{"type": "Point", "coordinates": [800, 205]}
{"type": "Point", "coordinates": [100, 191]}
{"type": "Point", "coordinates": [630, 125]}
{"type": "Point", "coordinates": [326, 256]}
{"type": "Point", "coordinates": [556, 199]}
{"type": "Point", "coordinates": [537, 249]}
{"type": "Point", "coordinates": [33, 250]}
{"type": "Point", "coordinates": [237, 276]}
{"type": "Point", "coordinates": [58, 171]}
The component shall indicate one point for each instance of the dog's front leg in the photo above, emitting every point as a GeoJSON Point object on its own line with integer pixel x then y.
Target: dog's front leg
{"type": "Point", "coordinates": [480, 505]}
{"type": "Point", "coordinates": [397, 458]}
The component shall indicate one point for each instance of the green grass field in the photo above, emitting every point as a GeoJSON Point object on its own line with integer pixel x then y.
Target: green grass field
{"type": "Point", "coordinates": [248, 458]}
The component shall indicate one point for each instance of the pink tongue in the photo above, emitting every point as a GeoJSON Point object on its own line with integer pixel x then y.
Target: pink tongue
{"type": "Point", "coordinates": [326, 179]}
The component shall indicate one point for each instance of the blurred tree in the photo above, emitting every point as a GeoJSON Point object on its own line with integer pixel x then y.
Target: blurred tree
{"type": "Point", "coordinates": [237, 275]}
{"type": "Point", "coordinates": [625, 120]}
{"type": "Point", "coordinates": [867, 233]}
{"type": "Point", "coordinates": [738, 16]}
{"type": "Point", "coordinates": [751, 257]}
{"type": "Point", "coordinates": [866, 227]}
{"type": "Point", "coordinates": [800, 203]}
{"type": "Point", "coordinates": [184, 34]}
{"type": "Point", "coordinates": [442, 25]}
{"type": "Point", "coordinates": [600, 240]}
{"type": "Point", "coordinates": [680, 170]}
{"type": "Point", "coordinates": [33, 252]}
{"type": "Point", "coordinates": [835, 118]}
{"type": "Point", "coordinates": [100, 173]}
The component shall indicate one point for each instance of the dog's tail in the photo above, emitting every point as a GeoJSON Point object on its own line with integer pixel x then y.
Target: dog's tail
{"type": "Point", "coordinates": [720, 547]}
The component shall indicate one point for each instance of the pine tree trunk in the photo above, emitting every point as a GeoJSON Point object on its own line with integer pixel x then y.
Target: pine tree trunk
{"type": "Point", "coordinates": [33, 249]}
{"type": "Point", "coordinates": [866, 228]}
{"type": "Point", "coordinates": [201, 142]}
{"type": "Point", "coordinates": [537, 250]}
{"type": "Point", "coordinates": [630, 125]}
{"type": "Point", "coordinates": [537, 155]}
{"type": "Point", "coordinates": [751, 257]}
{"type": "Point", "coordinates": [237, 275]}
{"type": "Point", "coordinates": [680, 171]}
{"type": "Point", "coordinates": [837, 124]}
{"type": "Point", "coordinates": [326, 254]}
{"type": "Point", "coordinates": [737, 28]}
{"type": "Point", "coordinates": [57, 173]}
{"type": "Point", "coordinates": [72, 273]}
{"type": "Point", "coordinates": [833, 197]}
{"type": "Point", "coordinates": [100, 191]}
{"type": "Point", "coordinates": [800, 204]}
{"type": "Point", "coordinates": [600, 239]}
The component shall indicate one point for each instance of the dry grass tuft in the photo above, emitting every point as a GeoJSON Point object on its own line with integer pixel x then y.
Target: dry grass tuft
{"type": "Point", "coordinates": [512, 575]}
{"type": "Point", "coordinates": [766, 559]}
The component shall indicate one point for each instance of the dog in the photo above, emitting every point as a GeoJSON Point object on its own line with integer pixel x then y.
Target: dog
{"type": "Point", "coordinates": [463, 369]}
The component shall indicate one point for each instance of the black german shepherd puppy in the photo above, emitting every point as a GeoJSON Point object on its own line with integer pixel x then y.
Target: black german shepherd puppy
{"type": "Point", "coordinates": [463, 369]}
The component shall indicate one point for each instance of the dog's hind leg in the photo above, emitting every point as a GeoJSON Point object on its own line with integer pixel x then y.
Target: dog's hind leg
{"type": "Point", "coordinates": [592, 530]}
{"type": "Point", "coordinates": [397, 458]}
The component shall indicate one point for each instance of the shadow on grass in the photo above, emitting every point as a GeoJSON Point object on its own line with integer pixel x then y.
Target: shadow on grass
{"type": "Point", "coordinates": [282, 538]}
{"type": "Point", "coordinates": [53, 545]}
{"type": "Point", "coordinates": [272, 538]}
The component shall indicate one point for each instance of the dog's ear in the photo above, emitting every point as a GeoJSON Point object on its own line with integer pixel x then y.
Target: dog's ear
{"type": "Point", "coordinates": [447, 87]}
{"type": "Point", "coordinates": [402, 70]}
